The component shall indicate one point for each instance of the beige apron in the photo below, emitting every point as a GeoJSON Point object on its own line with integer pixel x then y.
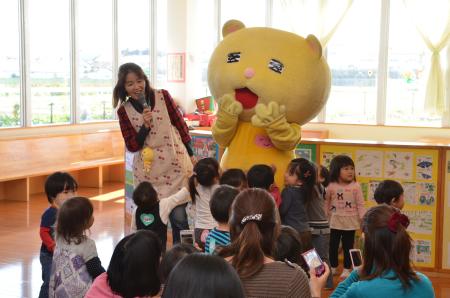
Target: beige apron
{"type": "Point", "coordinates": [171, 164]}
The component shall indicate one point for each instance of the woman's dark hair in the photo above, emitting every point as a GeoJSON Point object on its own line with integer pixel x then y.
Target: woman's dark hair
{"type": "Point", "coordinates": [203, 276]}
{"type": "Point", "coordinates": [254, 228]}
{"type": "Point", "coordinates": [119, 92]}
{"type": "Point", "coordinates": [59, 182]}
{"type": "Point", "coordinates": [388, 190]}
{"type": "Point", "coordinates": [145, 196]}
{"type": "Point", "coordinates": [260, 176]}
{"type": "Point", "coordinates": [306, 172]}
{"type": "Point", "coordinates": [206, 171]}
{"type": "Point", "coordinates": [172, 257]}
{"type": "Point", "coordinates": [289, 246]}
{"type": "Point", "coordinates": [337, 163]}
{"type": "Point", "coordinates": [134, 265]}
{"type": "Point", "coordinates": [325, 174]}
{"type": "Point", "coordinates": [234, 177]}
{"type": "Point", "coordinates": [74, 218]}
{"type": "Point", "coordinates": [385, 250]}
{"type": "Point", "coordinates": [221, 201]}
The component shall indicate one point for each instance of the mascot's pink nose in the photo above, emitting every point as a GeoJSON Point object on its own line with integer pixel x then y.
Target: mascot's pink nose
{"type": "Point", "coordinates": [249, 73]}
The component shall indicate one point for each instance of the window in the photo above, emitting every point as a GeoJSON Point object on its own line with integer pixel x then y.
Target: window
{"type": "Point", "coordinates": [161, 45]}
{"type": "Point", "coordinates": [251, 12]}
{"type": "Point", "coordinates": [49, 61]}
{"type": "Point", "coordinates": [134, 33]}
{"type": "Point", "coordinates": [408, 60]}
{"type": "Point", "coordinates": [95, 59]}
{"type": "Point", "coordinates": [9, 65]}
{"type": "Point", "coordinates": [352, 54]}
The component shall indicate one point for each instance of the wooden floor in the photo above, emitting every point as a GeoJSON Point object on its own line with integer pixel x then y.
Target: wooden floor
{"type": "Point", "coordinates": [20, 270]}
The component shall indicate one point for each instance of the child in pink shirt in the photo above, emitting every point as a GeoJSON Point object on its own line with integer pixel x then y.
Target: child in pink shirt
{"type": "Point", "coordinates": [345, 207]}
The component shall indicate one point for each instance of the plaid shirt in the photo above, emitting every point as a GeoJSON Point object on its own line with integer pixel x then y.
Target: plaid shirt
{"type": "Point", "coordinates": [134, 140]}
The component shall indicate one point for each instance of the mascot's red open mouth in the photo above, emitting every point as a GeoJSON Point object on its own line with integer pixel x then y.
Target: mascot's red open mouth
{"type": "Point", "coordinates": [246, 97]}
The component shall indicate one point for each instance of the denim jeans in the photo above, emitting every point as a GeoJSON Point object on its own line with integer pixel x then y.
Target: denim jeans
{"type": "Point", "coordinates": [46, 261]}
{"type": "Point", "coordinates": [178, 221]}
{"type": "Point", "coordinates": [321, 242]}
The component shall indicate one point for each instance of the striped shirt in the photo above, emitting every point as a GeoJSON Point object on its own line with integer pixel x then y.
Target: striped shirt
{"type": "Point", "coordinates": [216, 238]}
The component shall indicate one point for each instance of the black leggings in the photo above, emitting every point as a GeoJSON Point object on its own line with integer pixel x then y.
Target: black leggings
{"type": "Point", "coordinates": [348, 239]}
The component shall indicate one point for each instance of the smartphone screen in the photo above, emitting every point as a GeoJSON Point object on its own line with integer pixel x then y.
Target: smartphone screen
{"type": "Point", "coordinates": [313, 260]}
{"type": "Point", "coordinates": [356, 257]}
{"type": "Point", "coordinates": [187, 237]}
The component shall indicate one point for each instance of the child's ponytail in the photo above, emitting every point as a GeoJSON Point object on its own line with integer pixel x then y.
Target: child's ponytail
{"type": "Point", "coordinates": [206, 173]}
{"type": "Point", "coordinates": [192, 189]}
{"type": "Point", "coordinates": [306, 172]}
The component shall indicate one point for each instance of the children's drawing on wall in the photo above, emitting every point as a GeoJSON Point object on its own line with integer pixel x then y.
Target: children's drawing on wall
{"type": "Point", "coordinates": [373, 184]}
{"type": "Point", "coordinates": [421, 222]}
{"type": "Point", "coordinates": [304, 153]}
{"type": "Point", "coordinates": [328, 156]}
{"type": "Point", "coordinates": [424, 167]}
{"type": "Point", "coordinates": [422, 251]}
{"type": "Point", "coordinates": [426, 193]}
{"type": "Point", "coordinates": [398, 165]}
{"type": "Point", "coordinates": [368, 163]}
{"type": "Point", "coordinates": [365, 190]}
{"type": "Point", "coordinates": [420, 193]}
{"type": "Point", "coordinates": [410, 194]}
{"type": "Point", "coordinates": [204, 147]}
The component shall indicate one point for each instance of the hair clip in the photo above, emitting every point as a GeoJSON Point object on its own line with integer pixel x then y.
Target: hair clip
{"type": "Point", "coordinates": [395, 219]}
{"type": "Point", "coordinates": [253, 217]}
{"type": "Point", "coordinates": [307, 174]}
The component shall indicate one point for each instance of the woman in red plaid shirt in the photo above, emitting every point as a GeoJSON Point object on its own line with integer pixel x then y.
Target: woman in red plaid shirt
{"type": "Point", "coordinates": [150, 118]}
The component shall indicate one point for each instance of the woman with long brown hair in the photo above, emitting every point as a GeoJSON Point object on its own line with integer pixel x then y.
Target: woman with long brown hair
{"type": "Point", "coordinates": [254, 227]}
{"type": "Point", "coordinates": [386, 269]}
{"type": "Point", "coordinates": [153, 127]}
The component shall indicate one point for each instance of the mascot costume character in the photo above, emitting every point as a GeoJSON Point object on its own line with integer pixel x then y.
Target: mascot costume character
{"type": "Point", "coordinates": [267, 83]}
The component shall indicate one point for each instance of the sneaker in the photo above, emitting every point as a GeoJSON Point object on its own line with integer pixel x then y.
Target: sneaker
{"type": "Point", "coordinates": [345, 273]}
{"type": "Point", "coordinates": [334, 271]}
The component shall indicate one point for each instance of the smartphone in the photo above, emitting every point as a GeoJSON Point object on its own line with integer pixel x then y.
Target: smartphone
{"type": "Point", "coordinates": [314, 261]}
{"type": "Point", "coordinates": [356, 257]}
{"type": "Point", "coordinates": [187, 237]}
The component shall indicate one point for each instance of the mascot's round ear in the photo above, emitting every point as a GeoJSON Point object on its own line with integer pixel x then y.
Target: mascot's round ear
{"type": "Point", "coordinates": [231, 26]}
{"type": "Point", "coordinates": [315, 45]}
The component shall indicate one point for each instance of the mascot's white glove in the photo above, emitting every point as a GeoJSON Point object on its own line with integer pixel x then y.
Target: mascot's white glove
{"type": "Point", "coordinates": [285, 136]}
{"type": "Point", "coordinates": [227, 118]}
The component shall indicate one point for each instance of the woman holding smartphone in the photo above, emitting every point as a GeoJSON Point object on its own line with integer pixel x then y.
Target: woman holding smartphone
{"type": "Point", "coordinates": [386, 270]}
{"type": "Point", "coordinates": [254, 228]}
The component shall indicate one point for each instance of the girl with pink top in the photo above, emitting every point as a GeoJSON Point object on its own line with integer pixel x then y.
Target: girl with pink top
{"type": "Point", "coordinates": [345, 208]}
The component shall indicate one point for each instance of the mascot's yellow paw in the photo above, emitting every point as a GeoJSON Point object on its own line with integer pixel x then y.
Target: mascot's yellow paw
{"type": "Point", "coordinates": [268, 114]}
{"type": "Point", "coordinates": [230, 105]}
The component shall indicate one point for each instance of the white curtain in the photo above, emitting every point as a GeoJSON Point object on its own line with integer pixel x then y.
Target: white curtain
{"type": "Point", "coordinates": [319, 17]}
{"type": "Point", "coordinates": [432, 21]}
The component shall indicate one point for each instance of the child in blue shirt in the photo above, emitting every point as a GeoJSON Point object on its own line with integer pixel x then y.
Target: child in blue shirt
{"type": "Point", "coordinates": [59, 187]}
{"type": "Point", "coordinates": [220, 204]}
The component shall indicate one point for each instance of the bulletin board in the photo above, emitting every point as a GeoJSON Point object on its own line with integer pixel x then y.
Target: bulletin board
{"type": "Point", "coordinates": [308, 151]}
{"type": "Point", "coordinates": [417, 170]}
{"type": "Point", "coordinates": [446, 211]}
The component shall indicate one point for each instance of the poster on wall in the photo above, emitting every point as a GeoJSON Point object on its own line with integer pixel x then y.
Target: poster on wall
{"type": "Point", "coordinates": [424, 167]}
{"type": "Point", "coordinates": [368, 163]}
{"type": "Point", "coordinates": [420, 221]}
{"type": "Point", "coordinates": [328, 156]}
{"type": "Point", "coordinates": [421, 251]}
{"type": "Point", "coordinates": [176, 67]}
{"type": "Point", "coordinates": [398, 165]}
{"type": "Point", "coordinates": [205, 146]}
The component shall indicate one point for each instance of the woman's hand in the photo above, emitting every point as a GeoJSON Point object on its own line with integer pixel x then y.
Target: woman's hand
{"type": "Point", "coordinates": [316, 284]}
{"type": "Point", "coordinates": [193, 160]}
{"type": "Point", "coordinates": [147, 115]}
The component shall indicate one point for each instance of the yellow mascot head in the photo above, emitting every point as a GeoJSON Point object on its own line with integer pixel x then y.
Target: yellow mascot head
{"type": "Point", "coordinates": [260, 65]}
